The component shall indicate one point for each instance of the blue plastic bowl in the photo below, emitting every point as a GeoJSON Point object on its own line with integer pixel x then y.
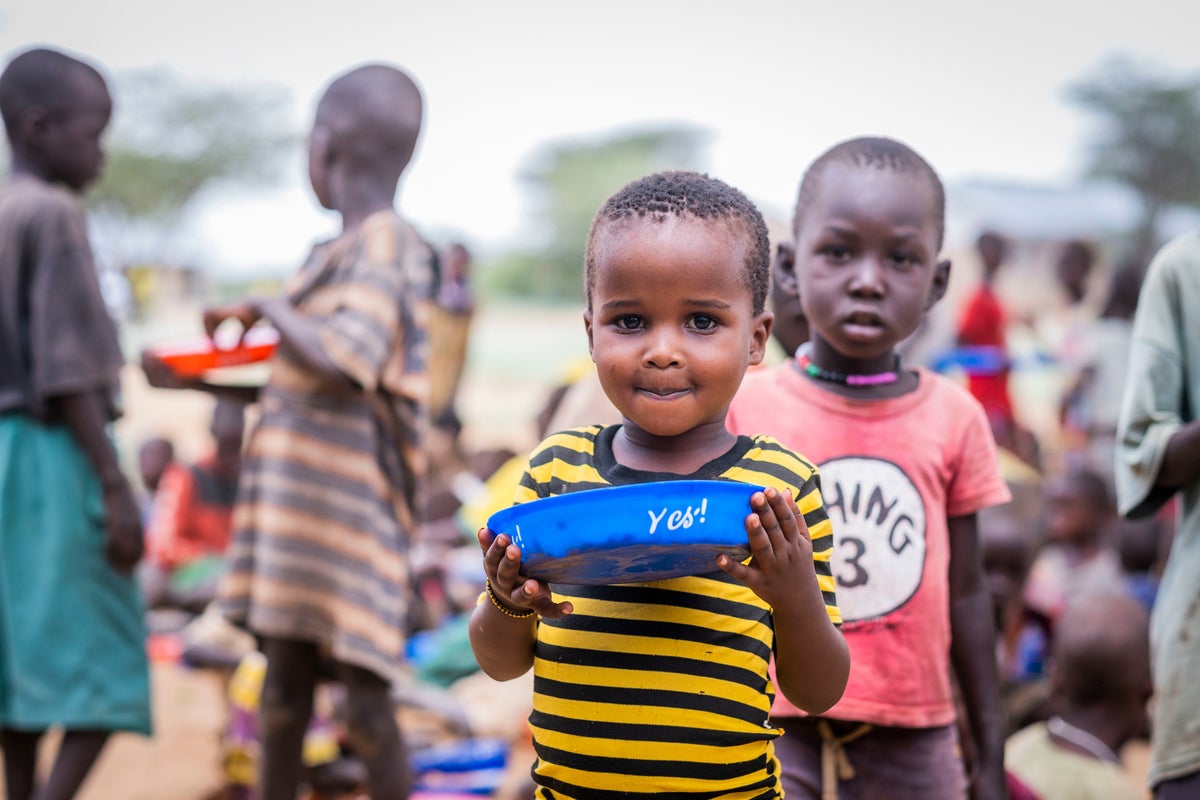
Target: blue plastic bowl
{"type": "Point", "coordinates": [629, 534]}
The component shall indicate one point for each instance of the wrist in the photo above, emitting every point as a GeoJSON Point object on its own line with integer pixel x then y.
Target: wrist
{"type": "Point", "coordinates": [504, 608]}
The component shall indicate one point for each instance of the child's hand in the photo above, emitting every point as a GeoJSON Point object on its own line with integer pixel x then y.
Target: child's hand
{"type": "Point", "coordinates": [502, 564]}
{"type": "Point", "coordinates": [123, 523]}
{"type": "Point", "coordinates": [246, 312]}
{"type": "Point", "coordinates": [160, 376]}
{"type": "Point", "coordinates": [780, 546]}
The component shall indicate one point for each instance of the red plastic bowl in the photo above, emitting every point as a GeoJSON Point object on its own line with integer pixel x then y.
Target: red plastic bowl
{"type": "Point", "coordinates": [197, 356]}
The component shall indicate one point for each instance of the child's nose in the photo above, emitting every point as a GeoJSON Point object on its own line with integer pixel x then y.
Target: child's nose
{"type": "Point", "coordinates": [867, 277]}
{"type": "Point", "coordinates": [662, 350]}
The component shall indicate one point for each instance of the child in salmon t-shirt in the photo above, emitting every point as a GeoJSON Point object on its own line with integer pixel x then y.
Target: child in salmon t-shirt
{"type": "Point", "coordinates": [906, 460]}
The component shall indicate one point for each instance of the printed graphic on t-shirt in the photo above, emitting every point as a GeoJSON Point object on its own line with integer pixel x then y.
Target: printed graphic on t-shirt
{"type": "Point", "coordinates": [879, 535]}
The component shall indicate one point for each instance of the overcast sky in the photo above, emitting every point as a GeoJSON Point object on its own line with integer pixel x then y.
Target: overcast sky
{"type": "Point", "coordinates": [978, 88]}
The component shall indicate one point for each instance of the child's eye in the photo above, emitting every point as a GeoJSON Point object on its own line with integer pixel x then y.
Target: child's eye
{"type": "Point", "coordinates": [835, 252]}
{"type": "Point", "coordinates": [904, 260]}
{"type": "Point", "coordinates": [703, 322]}
{"type": "Point", "coordinates": [629, 322]}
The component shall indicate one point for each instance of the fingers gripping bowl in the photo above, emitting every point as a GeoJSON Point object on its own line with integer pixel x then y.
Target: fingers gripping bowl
{"type": "Point", "coordinates": [629, 534]}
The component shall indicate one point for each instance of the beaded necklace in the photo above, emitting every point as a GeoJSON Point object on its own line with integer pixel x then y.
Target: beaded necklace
{"type": "Point", "coordinates": [874, 379]}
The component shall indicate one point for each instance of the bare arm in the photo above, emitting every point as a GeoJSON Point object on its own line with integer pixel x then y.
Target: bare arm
{"type": "Point", "coordinates": [503, 640]}
{"type": "Point", "coordinates": [160, 376]}
{"type": "Point", "coordinates": [1181, 461]}
{"type": "Point", "coordinates": [299, 333]}
{"type": "Point", "coordinates": [812, 661]}
{"type": "Point", "coordinates": [86, 417]}
{"type": "Point", "coordinates": [296, 332]}
{"type": "Point", "coordinates": [973, 656]}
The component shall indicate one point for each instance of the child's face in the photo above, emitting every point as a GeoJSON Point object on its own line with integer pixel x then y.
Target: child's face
{"type": "Point", "coordinates": [70, 142]}
{"type": "Point", "coordinates": [866, 259]}
{"type": "Point", "coordinates": [791, 326]}
{"type": "Point", "coordinates": [1006, 555]}
{"type": "Point", "coordinates": [318, 162]}
{"type": "Point", "coordinates": [671, 325]}
{"type": "Point", "coordinates": [1070, 515]}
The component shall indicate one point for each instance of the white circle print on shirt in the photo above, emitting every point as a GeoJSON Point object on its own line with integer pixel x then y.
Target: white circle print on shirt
{"type": "Point", "coordinates": [879, 535]}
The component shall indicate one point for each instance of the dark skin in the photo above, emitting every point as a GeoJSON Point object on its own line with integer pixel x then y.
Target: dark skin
{"type": "Point", "coordinates": [791, 326]}
{"type": "Point", "coordinates": [978, 680]}
{"type": "Point", "coordinates": [61, 145]}
{"type": "Point", "coordinates": [1181, 461]}
{"type": "Point", "coordinates": [865, 265]}
{"type": "Point", "coordinates": [354, 166]}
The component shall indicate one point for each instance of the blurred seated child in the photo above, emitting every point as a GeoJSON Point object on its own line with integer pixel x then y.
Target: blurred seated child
{"type": "Point", "coordinates": [1077, 559]}
{"type": "Point", "coordinates": [1102, 675]}
{"type": "Point", "coordinates": [1008, 546]}
{"type": "Point", "coordinates": [190, 527]}
{"type": "Point", "coordinates": [154, 456]}
{"type": "Point", "coordinates": [1008, 541]}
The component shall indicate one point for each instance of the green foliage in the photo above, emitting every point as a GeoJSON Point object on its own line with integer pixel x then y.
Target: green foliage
{"type": "Point", "coordinates": [1148, 136]}
{"type": "Point", "coordinates": [570, 180]}
{"type": "Point", "coordinates": [172, 139]}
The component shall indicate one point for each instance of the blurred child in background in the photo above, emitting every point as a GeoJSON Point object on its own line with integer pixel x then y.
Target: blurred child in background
{"type": "Point", "coordinates": [72, 638]}
{"type": "Point", "coordinates": [982, 324]}
{"type": "Point", "coordinates": [1101, 674]}
{"type": "Point", "coordinates": [1078, 557]}
{"type": "Point", "coordinates": [327, 501]}
{"type": "Point", "coordinates": [190, 527]}
{"type": "Point", "coordinates": [1158, 444]}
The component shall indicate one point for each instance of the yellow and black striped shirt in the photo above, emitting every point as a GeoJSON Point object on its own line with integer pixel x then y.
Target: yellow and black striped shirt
{"type": "Point", "coordinates": [661, 689]}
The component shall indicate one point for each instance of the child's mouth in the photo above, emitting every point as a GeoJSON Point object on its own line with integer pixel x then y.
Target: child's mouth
{"type": "Point", "coordinates": [863, 324]}
{"type": "Point", "coordinates": [662, 393]}
{"type": "Point", "coordinates": [864, 319]}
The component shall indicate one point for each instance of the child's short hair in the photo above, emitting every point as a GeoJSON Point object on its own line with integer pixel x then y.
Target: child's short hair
{"type": "Point", "coordinates": [38, 77]}
{"type": "Point", "coordinates": [378, 109]}
{"type": "Point", "coordinates": [1077, 250]}
{"type": "Point", "coordinates": [1091, 486]}
{"type": "Point", "coordinates": [687, 194]}
{"type": "Point", "coordinates": [877, 152]}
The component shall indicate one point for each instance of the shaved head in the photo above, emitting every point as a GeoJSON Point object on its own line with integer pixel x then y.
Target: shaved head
{"type": "Point", "coordinates": [41, 78]}
{"type": "Point", "coordinates": [373, 114]}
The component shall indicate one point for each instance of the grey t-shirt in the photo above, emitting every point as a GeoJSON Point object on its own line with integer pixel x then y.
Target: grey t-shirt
{"type": "Point", "coordinates": [56, 335]}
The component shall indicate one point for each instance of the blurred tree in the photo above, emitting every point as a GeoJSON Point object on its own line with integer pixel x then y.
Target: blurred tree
{"type": "Point", "coordinates": [570, 180]}
{"type": "Point", "coordinates": [173, 140]}
{"type": "Point", "coordinates": [1148, 138]}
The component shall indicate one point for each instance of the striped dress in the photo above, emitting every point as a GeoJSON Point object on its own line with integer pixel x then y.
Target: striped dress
{"type": "Point", "coordinates": [325, 498]}
{"type": "Point", "coordinates": [661, 689]}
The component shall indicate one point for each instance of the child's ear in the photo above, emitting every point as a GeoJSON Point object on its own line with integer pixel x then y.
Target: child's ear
{"type": "Point", "coordinates": [941, 279]}
{"type": "Point", "coordinates": [759, 334]}
{"type": "Point", "coordinates": [33, 125]}
{"type": "Point", "coordinates": [587, 326]}
{"type": "Point", "coordinates": [783, 270]}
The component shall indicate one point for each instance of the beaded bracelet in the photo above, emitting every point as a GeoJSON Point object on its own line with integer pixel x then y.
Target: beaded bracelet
{"type": "Point", "coordinates": [526, 614]}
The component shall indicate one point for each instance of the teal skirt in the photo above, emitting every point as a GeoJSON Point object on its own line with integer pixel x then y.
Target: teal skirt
{"type": "Point", "coordinates": [72, 631]}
